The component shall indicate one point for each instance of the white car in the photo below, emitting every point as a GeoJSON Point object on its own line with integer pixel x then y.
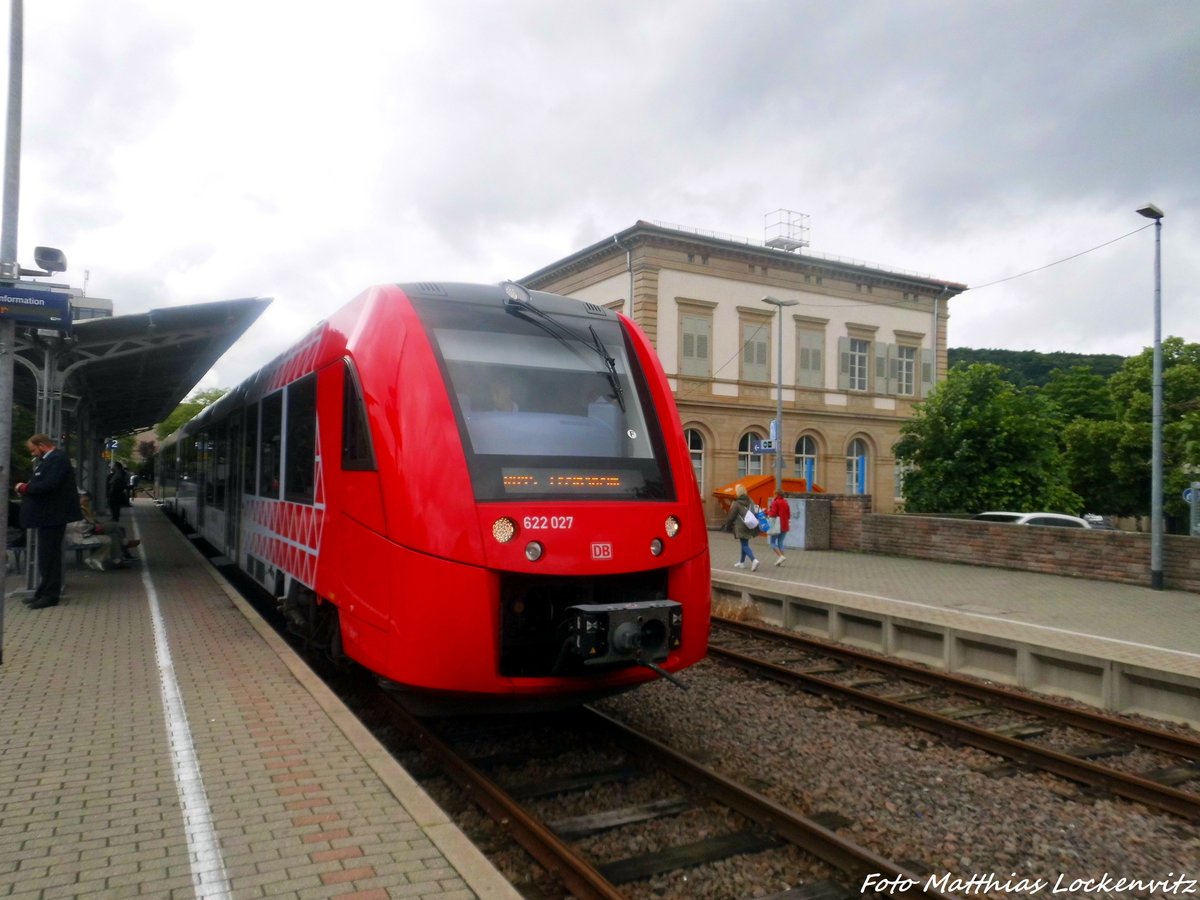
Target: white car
{"type": "Point", "coordinates": [1054, 520]}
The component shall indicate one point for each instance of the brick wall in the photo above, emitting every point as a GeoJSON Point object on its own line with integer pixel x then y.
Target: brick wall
{"type": "Point", "coordinates": [846, 517]}
{"type": "Point", "coordinates": [1120, 556]}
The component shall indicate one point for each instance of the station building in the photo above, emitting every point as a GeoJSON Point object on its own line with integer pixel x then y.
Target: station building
{"type": "Point", "coordinates": [860, 346]}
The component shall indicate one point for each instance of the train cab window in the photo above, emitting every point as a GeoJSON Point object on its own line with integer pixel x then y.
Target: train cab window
{"type": "Point", "coordinates": [550, 402]}
{"type": "Point", "coordinates": [301, 452]}
{"type": "Point", "coordinates": [269, 445]}
{"type": "Point", "coordinates": [357, 452]}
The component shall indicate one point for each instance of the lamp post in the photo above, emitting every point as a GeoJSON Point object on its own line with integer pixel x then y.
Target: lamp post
{"type": "Point", "coordinates": [779, 390]}
{"type": "Point", "coordinates": [1150, 211]}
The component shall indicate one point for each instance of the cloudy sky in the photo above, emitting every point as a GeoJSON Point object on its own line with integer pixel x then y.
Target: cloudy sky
{"type": "Point", "coordinates": [186, 152]}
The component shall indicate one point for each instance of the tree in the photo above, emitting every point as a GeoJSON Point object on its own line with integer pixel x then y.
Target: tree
{"type": "Point", "coordinates": [188, 410]}
{"type": "Point", "coordinates": [1131, 389]}
{"type": "Point", "coordinates": [1079, 393]}
{"type": "Point", "coordinates": [1104, 466]}
{"type": "Point", "coordinates": [979, 442]}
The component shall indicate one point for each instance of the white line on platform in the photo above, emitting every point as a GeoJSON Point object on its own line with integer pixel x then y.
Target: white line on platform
{"type": "Point", "coordinates": [204, 852]}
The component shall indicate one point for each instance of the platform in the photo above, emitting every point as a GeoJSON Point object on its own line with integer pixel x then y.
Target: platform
{"type": "Point", "coordinates": [1123, 648]}
{"type": "Point", "coordinates": [156, 739]}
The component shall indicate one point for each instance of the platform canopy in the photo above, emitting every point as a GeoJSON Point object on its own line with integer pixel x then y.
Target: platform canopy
{"type": "Point", "coordinates": [130, 372]}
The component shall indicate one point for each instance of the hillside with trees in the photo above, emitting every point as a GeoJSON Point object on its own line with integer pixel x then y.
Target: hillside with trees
{"type": "Point", "coordinates": [1030, 367]}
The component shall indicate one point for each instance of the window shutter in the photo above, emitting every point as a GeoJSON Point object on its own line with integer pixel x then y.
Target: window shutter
{"type": "Point", "coordinates": [928, 370]}
{"type": "Point", "coordinates": [694, 352]}
{"type": "Point", "coordinates": [809, 370]}
{"type": "Point", "coordinates": [843, 364]}
{"type": "Point", "coordinates": [881, 358]}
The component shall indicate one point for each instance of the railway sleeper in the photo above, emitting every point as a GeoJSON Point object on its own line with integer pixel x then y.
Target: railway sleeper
{"type": "Point", "coordinates": [1020, 730]}
{"type": "Point", "coordinates": [1101, 750]}
{"type": "Point", "coordinates": [909, 696]}
{"type": "Point", "coordinates": [686, 856]}
{"type": "Point", "coordinates": [965, 712]}
{"type": "Point", "coordinates": [572, 783]}
{"type": "Point", "coordinates": [817, 890]}
{"type": "Point", "coordinates": [1173, 775]}
{"type": "Point", "coordinates": [578, 827]}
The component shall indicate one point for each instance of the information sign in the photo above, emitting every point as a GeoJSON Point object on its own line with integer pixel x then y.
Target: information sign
{"type": "Point", "coordinates": [761, 446]}
{"type": "Point", "coordinates": [35, 307]}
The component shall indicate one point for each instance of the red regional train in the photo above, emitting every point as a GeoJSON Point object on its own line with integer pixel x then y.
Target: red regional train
{"type": "Point", "coordinates": [482, 494]}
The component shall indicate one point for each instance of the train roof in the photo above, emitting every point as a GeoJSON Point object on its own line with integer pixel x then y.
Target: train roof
{"type": "Point", "coordinates": [499, 294]}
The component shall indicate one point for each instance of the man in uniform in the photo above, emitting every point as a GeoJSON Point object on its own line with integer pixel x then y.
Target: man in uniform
{"type": "Point", "coordinates": [49, 500]}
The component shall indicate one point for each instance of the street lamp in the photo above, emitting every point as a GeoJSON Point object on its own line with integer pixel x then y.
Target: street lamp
{"type": "Point", "coordinates": [779, 391]}
{"type": "Point", "coordinates": [1150, 211]}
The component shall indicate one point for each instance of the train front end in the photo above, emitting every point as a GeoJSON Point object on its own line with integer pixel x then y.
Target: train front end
{"type": "Point", "coordinates": [575, 550]}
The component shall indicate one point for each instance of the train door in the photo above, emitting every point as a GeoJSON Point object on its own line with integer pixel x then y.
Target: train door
{"type": "Point", "coordinates": [233, 486]}
{"type": "Point", "coordinates": [249, 485]}
{"type": "Point", "coordinates": [203, 461]}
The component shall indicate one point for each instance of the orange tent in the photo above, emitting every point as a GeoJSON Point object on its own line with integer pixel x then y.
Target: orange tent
{"type": "Point", "coordinates": [761, 489]}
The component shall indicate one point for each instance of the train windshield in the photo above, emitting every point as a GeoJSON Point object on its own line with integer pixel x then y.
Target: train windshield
{"type": "Point", "coordinates": [550, 405]}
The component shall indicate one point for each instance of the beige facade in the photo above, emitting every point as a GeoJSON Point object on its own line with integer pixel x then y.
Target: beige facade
{"type": "Point", "coordinates": [861, 345]}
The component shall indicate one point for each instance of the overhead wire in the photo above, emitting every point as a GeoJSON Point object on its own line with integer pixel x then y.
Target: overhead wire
{"type": "Point", "coordinates": [979, 287]}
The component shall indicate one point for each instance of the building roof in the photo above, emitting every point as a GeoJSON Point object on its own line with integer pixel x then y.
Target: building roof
{"type": "Point", "coordinates": [644, 231]}
{"type": "Point", "coordinates": [132, 371]}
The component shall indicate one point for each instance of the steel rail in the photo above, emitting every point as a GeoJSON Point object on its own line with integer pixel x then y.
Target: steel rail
{"type": "Point", "coordinates": [1132, 787]}
{"type": "Point", "coordinates": [1145, 736]}
{"type": "Point", "coordinates": [847, 856]}
{"type": "Point", "coordinates": [580, 877]}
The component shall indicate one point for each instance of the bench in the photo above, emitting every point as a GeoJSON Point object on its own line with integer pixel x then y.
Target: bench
{"type": "Point", "coordinates": [80, 544]}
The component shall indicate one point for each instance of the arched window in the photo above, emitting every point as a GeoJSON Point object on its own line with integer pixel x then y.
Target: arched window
{"type": "Point", "coordinates": [695, 442]}
{"type": "Point", "coordinates": [856, 467]}
{"type": "Point", "coordinates": [806, 459]}
{"type": "Point", "coordinates": [749, 463]}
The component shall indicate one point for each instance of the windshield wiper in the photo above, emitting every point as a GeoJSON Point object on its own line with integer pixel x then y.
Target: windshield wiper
{"type": "Point", "coordinates": [611, 365]}
{"type": "Point", "coordinates": [526, 310]}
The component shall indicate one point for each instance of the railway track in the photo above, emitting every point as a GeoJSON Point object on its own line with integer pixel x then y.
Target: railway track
{"type": "Point", "coordinates": [752, 822]}
{"type": "Point", "coordinates": [942, 704]}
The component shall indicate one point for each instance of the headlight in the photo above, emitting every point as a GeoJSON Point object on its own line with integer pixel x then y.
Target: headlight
{"type": "Point", "coordinates": [504, 529]}
{"type": "Point", "coordinates": [656, 546]}
{"type": "Point", "coordinates": [672, 526]}
{"type": "Point", "coordinates": [533, 551]}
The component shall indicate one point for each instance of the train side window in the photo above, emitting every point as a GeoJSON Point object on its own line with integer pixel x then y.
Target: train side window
{"type": "Point", "coordinates": [357, 452]}
{"type": "Point", "coordinates": [299, 480]}
{"type": "Point", "coordinates": [250, 451]}
{"type": "Point", "coordinates": [269, 444]}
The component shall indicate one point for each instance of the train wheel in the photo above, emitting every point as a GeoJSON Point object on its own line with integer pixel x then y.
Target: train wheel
{"type": "Point", "coordinates": [314, 621]}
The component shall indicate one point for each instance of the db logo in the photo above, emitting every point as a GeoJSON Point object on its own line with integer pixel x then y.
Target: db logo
{"type": "Point", "coordinates": [602, 551]}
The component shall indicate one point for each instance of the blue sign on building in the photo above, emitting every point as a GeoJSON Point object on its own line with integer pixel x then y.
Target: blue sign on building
{"type": "Point", "coordinates": [35, 307]}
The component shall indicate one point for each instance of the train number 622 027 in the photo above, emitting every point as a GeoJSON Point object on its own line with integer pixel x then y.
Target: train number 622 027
{"type": "Point", "coordinates": [541, 522]}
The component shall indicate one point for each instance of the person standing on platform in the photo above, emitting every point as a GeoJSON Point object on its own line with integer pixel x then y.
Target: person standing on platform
{"type": "Point", "coordinates": [742, 505]}
{"type": "Point", "coordinates": [49, 500]}
{"type": "Point", "coordinates": [780, 515]}
{"type": "Point", "coordinates": [118, 490]}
